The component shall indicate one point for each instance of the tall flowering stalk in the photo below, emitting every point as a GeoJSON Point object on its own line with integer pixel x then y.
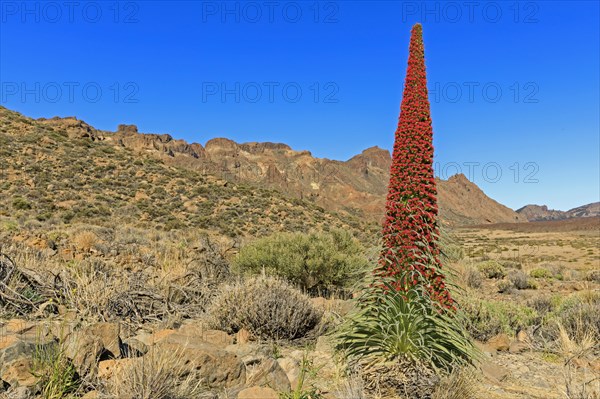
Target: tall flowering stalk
{"type": "Point", "coordinates": [410, 229]}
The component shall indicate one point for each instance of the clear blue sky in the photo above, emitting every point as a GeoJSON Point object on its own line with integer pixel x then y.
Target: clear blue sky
{"type": "Point", "coordinates": [514, 86]}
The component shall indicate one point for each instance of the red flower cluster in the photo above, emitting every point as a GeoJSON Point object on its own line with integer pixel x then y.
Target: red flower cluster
{"type": "Point", "coordinates": [410, 228]}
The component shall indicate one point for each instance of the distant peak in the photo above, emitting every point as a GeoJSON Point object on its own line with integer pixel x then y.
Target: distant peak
{"type": "Point", "coordinates": [375, 150]}
{"type": "Point", "coordinates": [459, 178]}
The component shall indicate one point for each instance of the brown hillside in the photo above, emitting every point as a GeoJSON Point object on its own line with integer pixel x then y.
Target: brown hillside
{"type": "Point", "coordinates": [63, 171]}
{"type": "Point", "coordinates": [356, 187]}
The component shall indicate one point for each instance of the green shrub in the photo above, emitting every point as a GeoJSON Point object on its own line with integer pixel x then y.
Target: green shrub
{"type": "Point", "coordinates": [547, 271]}
{"type": "Point", "coordinates": [491, 269]}
{"type": "Point", "coordinates": [314, 261]}
{"type": "Point", "coordinates": [484, 318]}
{"type": "Point", "coordinates": [267, 307]}
{"type": "Point", "coordinates": [21, 203]}
{"type": "Point", "coordinates": [540, 272]}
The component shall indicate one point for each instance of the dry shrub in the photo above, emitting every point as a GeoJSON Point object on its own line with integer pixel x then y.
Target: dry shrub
{"type": "Point", "coordinates": [505, 286]}
{"type": "Point", "coordinates": [473, 278]}
{"type": "Point", "coordinates": [460, 384]}
{"type": "Point", "coordinates": [519, 279]}
{"type": "Point", "coordinates": [157, 375]}
{"type": "Point", "coordinates": [511, 264]}
{"type": "Point", "coordinates": [267, 307]}
{"type": "Point", "coordinates": [85, 240]}
{"type": "Point", "coordinates": [543, 304]}
{"type": "Point", "coordinates": [88, 288]}
{"type": "Point", "coordinates": [579, 315]}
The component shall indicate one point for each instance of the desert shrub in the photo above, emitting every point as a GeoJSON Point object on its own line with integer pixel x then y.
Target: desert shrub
{"type": "Point", "coordinates": [542, 304]}
{"type": "Point", "coordinates": [315, 261]}
{"type": "Point", "coordinates": [473, 278]}
{"type": "Point", "coordinates": [519, 280]}
{"type": "Point", "coordinates": [580, 315]}
{"type": "Point", "coordinates": [267, 307]}
{"type": "Point", "coordinates": [547, 271]}
{"type": "Point", "coordinates": [505, 286]}
{"type": "Point", "coordinates": [20, 203]}
{"type": "Point", "coordinates": [452, 252]}
{"type": "Point", "coordinates": [540, 272]}
{"type": "Point", "coordinates": [491, 269]}
{"type": "Point", "coordinates": [85, 240]}
{"type": "Point", "coordinates": [484, 318]}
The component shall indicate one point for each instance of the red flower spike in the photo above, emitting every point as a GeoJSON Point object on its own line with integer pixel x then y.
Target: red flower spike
{"type": "Point", "coordinates": [410, 227]}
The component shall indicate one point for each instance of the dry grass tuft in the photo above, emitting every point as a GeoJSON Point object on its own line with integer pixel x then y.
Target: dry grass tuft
{"type": "Point", "coordinates": [460, 384]}
{"type": "Point", "coordinates": [157, 375]}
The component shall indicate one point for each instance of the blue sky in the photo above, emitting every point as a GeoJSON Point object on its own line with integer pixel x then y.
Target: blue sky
{"type": "Point", "coordinates": [514, 86]}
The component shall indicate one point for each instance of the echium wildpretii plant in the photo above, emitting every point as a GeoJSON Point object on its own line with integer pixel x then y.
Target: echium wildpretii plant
{"type": "Point", "coordinates": [410, 229]}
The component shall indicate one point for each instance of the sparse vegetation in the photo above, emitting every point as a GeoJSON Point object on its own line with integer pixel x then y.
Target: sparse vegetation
{"type": "Point", "coordinates": [486, 318]}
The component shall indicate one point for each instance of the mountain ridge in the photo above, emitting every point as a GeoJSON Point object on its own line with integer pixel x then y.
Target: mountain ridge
{"type": "Point", "coordinates": [357, 186]}
{"type": "Point", "coordinates": [535, 213]}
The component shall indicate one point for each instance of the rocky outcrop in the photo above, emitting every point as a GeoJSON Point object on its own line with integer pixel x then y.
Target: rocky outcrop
{"type": "Point", "coordinates": [73, 127]}
{"type": "Point", "coordinates": [163, 144]}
